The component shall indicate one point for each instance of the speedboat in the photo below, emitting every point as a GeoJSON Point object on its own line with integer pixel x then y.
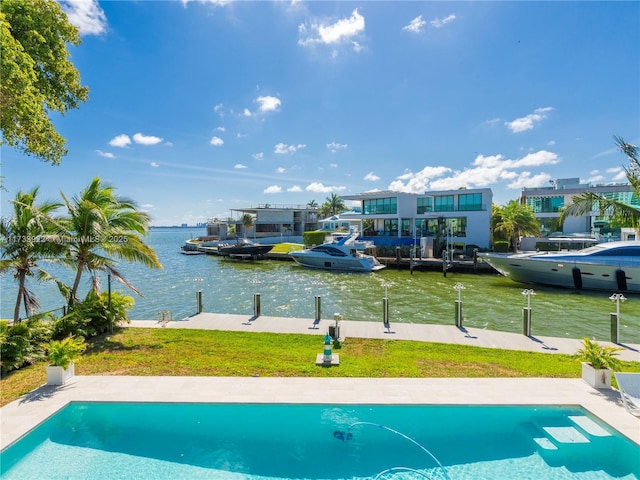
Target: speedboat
{"type": "Point", "coordinates": [343, 254]}
{"type": "Point", "coordinates": [605, 266]}
{"type": "Point", "coordinates": [244, 249]}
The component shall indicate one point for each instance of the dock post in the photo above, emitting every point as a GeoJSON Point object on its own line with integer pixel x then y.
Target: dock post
{"type": "Point", "coordinates": [459, 313]}
{"type": "Point", "coordinates": [318, 309]}
{"type": "Point", "coordinates": [526, 321]}
{"type": "Point", "coordinates": [256, 304]}
{"type": "Point", "coordinates": [385, 311]}
{"type": "Point", "coordinates": [199, 301]}
{"type": "Point", "coordinates": [615, 328]}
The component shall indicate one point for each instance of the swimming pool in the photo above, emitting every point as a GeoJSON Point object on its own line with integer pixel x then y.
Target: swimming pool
{"type": "Point", "coordinates": [292, 441]}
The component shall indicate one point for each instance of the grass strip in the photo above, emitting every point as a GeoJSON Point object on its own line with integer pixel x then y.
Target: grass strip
{"type": "Point", "coordinates": [184, 352]}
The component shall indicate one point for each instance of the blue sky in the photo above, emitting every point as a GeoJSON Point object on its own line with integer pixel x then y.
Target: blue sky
{"type": "Point", "coordinates": [199, 107]}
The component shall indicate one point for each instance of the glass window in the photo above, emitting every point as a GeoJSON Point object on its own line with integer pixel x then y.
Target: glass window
{"type": "Point", "coordinates": [458, 226]}
{"type": "Point", "coordinates": [546, 204]}
{"type": "Point", "coordinates": [391, 227]}
{"type": "Point", "coordinates": [379, 206]}
{"type": "Point", "coordinates": [406, 227]}
{"type": "Point", "coordinates": [470, 201]}
{"type": "Point", "coordinates": [425, 204]}
{"type": "Point", "coordinates": [443, 203]}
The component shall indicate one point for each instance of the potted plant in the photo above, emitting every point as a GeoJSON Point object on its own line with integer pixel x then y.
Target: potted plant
{"type": "Point", "coordinates": [62, 354]}
{"type": "Point", "coordinates": [597, 363]}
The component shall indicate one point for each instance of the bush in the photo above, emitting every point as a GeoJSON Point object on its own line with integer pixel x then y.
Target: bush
{"type": "Point", "coordinates": [501, 246]}
{"type": "Point", "coordinates": [63, 352]}
{"type": "Point", "coordinates": [21, 343]}
{"type": "Point", "coordinates": [92, 317]}
{"type": "Point", "coordinates": [314, 238]}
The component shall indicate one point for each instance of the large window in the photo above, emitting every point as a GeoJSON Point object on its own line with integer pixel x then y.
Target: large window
{"type": "Point", "coordinates": [443, 203]}
{"type": "Point", "coordinates": [406, 227]}
{"type": "Point", "coordinates": [379, 206]}
{"type": "Point", "coordinates": [425, 204]}
{"type": "Point", "coordinates": [470, 201]}
{"type": "Point", "coordinates": [390, 227]}
{"type": "Point", "coordinates": [546, 204]}
{"type": "Point", "coordinates": [457, 226]}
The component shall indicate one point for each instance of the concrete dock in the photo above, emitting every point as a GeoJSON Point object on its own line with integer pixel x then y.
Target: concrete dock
{"type": "Point", "coordinates": [397, 331]}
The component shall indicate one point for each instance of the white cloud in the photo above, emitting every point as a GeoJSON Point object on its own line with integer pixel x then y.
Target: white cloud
{"type": "Point", "coordinates": [620, 176]}
{"type": "Point", "coordinates": [216, 141]}
{"type": "Point", "coordinates": [342, 31]}
{"type": "Point", "coordinates": [526, 180]}
{"type": "Point", "coordinates": [219, 109]}
{"type": "Point", "coordinates": [146, 139]}
{"type": "Point", "coordinates": [595, 179]}
{"type": "Point", "coordinates": [295, 189]}
{"type": "Point", "coordinates": [416, 25]}
{"type": "Point", "coordinates": [438, 23]}
{"type": "Point", "coordinates": [258, 156]}
{"type": "Point", "coordinates": [239, 166]}
{"type": "Point", "coordinates": [273, 189]}
{"type": "Point", "coordinates": [268, 104]}
{"type": "Point", "coordinates": [418, 182]}
{"type": "Point", "coordinates": [614, 170]}
{"type": "Point", "coordinates": [371, 177]}
{"type": "Point", "coordinates": [281, 170]}
{"type": "Point", "coordinates": [334, 165]}
{"type": "Point", "coordinates": [241, 135]}
{"type": "Point", "coordinates": [551, 143]}
{"type": "Point", "coordinates": [148, 205]}
{"type": "Point", "coordinates": [87, 15]}
{"type": "Point", "coordinates": [334, 147]}
{"type": "Point", "coordinates": [247, 113]}
{"type": "Point", "coordinates": [154, 164]}
{"type": "Point", "coordinates": [105, 154]}
{"type": "Point", "coordinates": [283, 148]}
{"type": "Point", "coordinates": [221, 129]}
{"type": "Point", "coordinates": [318, 187]}
{"type": "Point", "coordinates": [529, 121]}
{"type": "Point", "coordinates": [120, 141]}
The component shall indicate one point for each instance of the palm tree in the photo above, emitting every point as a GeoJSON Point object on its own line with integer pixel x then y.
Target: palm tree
{"type": "Point", "coordinates": [515, 219]}
{"type": "Point", "coordinates": [336, 204]}
{"type": "Point", "coordinates": [247, 222]}
{"type": "Point", "coordinates": [625, 214]}
{"type": "Point", "coordinates": [312, 204]}
{"type": "Point", "coordinates": [100, 226]}
{"type": "Point", "coordinates": [27, 238]}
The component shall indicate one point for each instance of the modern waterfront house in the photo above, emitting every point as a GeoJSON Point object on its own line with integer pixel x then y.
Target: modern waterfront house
{"type": "Point", "coordinates": [548, 202]}
{"type": "Point", "coordinates": [459, 219]}
{"type": "Point", "coordinates": [284, 222]}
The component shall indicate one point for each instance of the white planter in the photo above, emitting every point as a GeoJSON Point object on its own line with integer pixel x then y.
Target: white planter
{"type": "Point", "coordinates": [59, 375]}
{"type": "Point", "coordinates": [596, 378]}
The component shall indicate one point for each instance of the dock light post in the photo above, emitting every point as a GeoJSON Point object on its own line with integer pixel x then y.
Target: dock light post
{"type": "Point", "coordinates": [459, 287]}
{"type": "Point", "coordinates": [256, 305]}
{"type": "Point", "coordinates": [526, 312]}
{"type": "Point", "coordinates": [385, 305]}
{"type": "Point", "coordinates": [318, 305]}
{"type": "Point", "coordinates": [199, 300]}
{"type": "Point", "coordinates": [615, 317]}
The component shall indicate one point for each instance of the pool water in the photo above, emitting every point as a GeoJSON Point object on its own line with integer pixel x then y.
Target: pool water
{"type": "Point", "coordinates": [284, 441]}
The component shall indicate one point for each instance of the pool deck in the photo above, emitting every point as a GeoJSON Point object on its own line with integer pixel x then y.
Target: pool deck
{"type": "Point", "coordinates": [20, 416]}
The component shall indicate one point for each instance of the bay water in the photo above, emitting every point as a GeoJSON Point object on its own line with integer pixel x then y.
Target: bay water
{"type": "Point", "coordinates": [288, 290]}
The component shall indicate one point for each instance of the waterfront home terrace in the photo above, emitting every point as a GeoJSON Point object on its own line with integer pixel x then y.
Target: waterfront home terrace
{"type": "Point", "coordinates": [287, 222]}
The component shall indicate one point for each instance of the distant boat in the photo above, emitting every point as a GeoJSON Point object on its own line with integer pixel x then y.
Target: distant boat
{"type": "Point", "coordinates": [613, 266]}
{"type": "Point", "coordinates": [343, 254]}
{"type": "Point", "coordinates": [244, 249]}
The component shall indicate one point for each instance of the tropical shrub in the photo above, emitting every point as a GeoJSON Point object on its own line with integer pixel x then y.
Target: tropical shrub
{"type": "Point", "coordinates": [599, 356]}
{"type": "Point", "coordinates": [21, 343]}
{"type": "Point", "coordinates": [501, 246]}
{"type": "Point", "coordinates": [92, 317]}
{"type": "Point", "coordinates": [62, 352]}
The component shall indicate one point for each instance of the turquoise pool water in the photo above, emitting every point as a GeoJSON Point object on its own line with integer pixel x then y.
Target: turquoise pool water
{"type": "Point", "coordinates": [278, 441]}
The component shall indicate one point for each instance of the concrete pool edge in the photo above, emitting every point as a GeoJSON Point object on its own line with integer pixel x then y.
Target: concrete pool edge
{"type": "Point", "coordinates": [24, 414]}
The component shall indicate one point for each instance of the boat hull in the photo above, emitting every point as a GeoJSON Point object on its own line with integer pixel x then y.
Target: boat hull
{"type": "Point", "coordinates": [567, 273]}
{"type": "Point", "coordinates": [245, 251]}
{"type": "Point", "coordinates": [347, 264]}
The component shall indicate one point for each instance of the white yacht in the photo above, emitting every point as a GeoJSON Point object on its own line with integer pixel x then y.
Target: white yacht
{"type": "Point", "coordinates": [344, 254]}
{"type": "Point", "coordinates": [613, 266]}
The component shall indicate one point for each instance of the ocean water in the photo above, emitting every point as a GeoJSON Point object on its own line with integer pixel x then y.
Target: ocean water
{"type": "Point", "coordinates": [277, 441]}
{"type": "Point", "coordinates": [489, 300]}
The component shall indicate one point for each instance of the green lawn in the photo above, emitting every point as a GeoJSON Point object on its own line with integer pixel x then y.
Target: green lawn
{"type": "Point", "coordinates": [140, 351]}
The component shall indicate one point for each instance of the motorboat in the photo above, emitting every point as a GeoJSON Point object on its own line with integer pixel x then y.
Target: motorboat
{"type": "Point", "coordinates": [613, 266]}
{"type": "Point", "coordinates": [344, 254]}
{"type": "Point", "coordinates": [244, 249]}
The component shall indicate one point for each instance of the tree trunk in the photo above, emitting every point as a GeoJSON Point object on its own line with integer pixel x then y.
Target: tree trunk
{"type": "Point", "coordinates": [76, 283]}
{"type": "Point", "coordinates": [16, 310]}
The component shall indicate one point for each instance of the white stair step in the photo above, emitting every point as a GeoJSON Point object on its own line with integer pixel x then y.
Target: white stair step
{"type": "Point", "coordinates": [589, 426]}
{"type": "Point", "coordinates": [565, 435]}
{"type": "Point", "coordinates": [545, 443]}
